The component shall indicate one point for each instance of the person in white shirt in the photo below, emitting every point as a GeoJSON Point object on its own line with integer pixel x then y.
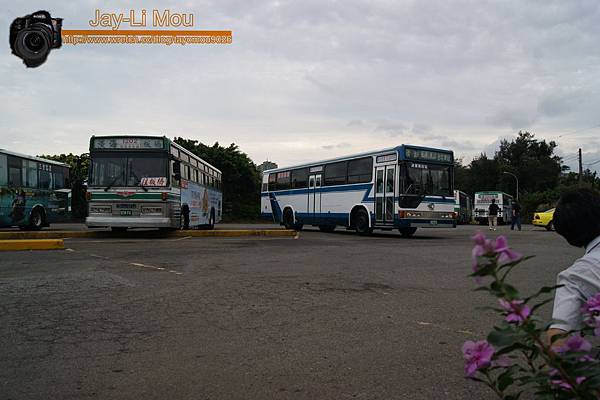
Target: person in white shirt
{"type": "Point", "coordinates": [577, 219]}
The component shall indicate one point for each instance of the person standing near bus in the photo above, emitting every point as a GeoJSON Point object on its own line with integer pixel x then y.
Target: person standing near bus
{"type": "Point", "coordinates": [516, 219]}
{"type": "Point", "coordinates": [493, 214]}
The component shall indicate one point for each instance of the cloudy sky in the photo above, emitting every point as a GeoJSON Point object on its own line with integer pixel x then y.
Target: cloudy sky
{"type": "Point", "coordinates": [311, 79]}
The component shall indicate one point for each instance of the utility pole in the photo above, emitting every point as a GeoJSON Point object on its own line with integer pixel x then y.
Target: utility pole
{"type": "Point", "coordinates": [580, 167]}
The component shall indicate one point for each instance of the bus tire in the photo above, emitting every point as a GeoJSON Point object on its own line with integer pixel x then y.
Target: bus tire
{"type": "Point", "coordinates": [327, 228]}
{"type": "Point", "coordinates": [288, 220]}
{"type": "Point", "coordinates": [407, 232]}
{"type": "Point", "coordinates": [36, 219]}
{"type": "Point", "coordinates": [361, 222]}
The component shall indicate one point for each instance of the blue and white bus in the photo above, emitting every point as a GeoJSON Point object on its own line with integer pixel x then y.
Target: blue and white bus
{"type": "Point", "coordinates": [150, 182]}
{"type": "Point", "coordinates": [33, 191]}
{"type": "Point", "coordinates": [403, 187]}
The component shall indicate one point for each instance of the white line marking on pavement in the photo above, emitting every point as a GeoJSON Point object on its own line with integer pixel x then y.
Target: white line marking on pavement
{"type": "Point", "coordinates": [434, 325]}
{"type": "Point", "coordinates": [182, 238]}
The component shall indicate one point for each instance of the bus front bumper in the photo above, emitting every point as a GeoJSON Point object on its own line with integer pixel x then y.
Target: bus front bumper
{"type": "Point", "coordinates": [130, 222]}
{"type": "Point", "coordinates": [426, 223]}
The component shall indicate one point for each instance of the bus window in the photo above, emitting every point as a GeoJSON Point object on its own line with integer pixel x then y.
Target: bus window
{"type": "Point", "coordinates": [283, 180]}
{"type": "Point", "coordinates": [300, 178]}
{"type": "Point", "coordinates": [44, 180]}
{"type": "Point", "coordinates": [59, 180]}
{"type": "Point", "coordinates": [272, 182]}
{"type": "Point", "coordinates": [3, 170]}
{"type": "Point", "coordinates": [335, 174]}
{"type": "Point", "coordinates": [361, 170]}
{"type": "Point", "coordinates": [14, 172]}
{"type": "Point", "coordinates": [32, 168]}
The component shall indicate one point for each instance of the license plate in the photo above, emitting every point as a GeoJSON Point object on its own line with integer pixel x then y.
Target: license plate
{"type": "Point", "coordinates": [126, 212]}
{"type": "Point", "coordinates": [433, 222]}
{"type": "Point", "coordinates": [125, 205]}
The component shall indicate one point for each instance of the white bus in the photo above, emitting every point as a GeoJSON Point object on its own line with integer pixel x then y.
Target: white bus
{"type": "Point", "coordinates": [482, 204]}
{"type": "Point", "coordinates": [404, 188]}
{"type": "Point", "coordinates": [150, 182]}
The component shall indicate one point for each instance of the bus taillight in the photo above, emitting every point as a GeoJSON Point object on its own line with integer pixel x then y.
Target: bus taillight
{"type": "Point", "coordinates": [164, 195]}
{"type": "Point", "coordinates": [88, 196]}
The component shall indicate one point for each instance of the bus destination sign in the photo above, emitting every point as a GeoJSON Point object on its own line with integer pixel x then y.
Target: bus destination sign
{"type": "Point", "coordinates": [127, 143]}
{"type": "Point", "coordinates": [428, 155]}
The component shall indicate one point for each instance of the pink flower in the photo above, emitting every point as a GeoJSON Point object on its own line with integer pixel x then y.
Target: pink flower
{"type": "Point", "coordinates": [477, 355]}
{"type": "Point", "coordinates": [483, 246]}
{"type": "Point", "coordinates": [516, 311]}
{"type": "Point", "coordinates": [575, 343]}
{"type": "Point", "coordinates": [564, 385]}
{"type": "Point", "coordinates": [592, 305]}
{"type": "Point", "coordinates": [505, 253]}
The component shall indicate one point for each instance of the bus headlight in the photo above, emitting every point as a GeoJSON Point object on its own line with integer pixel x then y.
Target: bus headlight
{"type": "Point", "coordinates": [413, 214]}
{"type": "Point", "coordinates": [100, 210]}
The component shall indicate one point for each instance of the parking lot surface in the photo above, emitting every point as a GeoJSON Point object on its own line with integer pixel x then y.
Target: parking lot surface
{"type": "Point", "coordinates": [323, 316]}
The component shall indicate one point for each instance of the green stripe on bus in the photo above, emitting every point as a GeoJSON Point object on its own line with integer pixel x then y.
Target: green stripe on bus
{"type": "Point", "coordinates": [137, 196]}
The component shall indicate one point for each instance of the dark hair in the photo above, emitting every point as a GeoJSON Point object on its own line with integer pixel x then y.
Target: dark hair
{"type": "Point", "coordinates": [577, 216]}
{"type": "Point", "coordinates": [493, 201]}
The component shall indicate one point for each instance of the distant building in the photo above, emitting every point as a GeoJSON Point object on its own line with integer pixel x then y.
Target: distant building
{"type": "Point", "coordinates": [266, 165]}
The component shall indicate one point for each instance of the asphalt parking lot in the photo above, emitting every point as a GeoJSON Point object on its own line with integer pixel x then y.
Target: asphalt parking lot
{"type": "Point", "coordinates": [322, 316]}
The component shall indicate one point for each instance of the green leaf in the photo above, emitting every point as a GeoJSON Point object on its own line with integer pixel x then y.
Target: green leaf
{"type": "Point", "coordinates": [500, 338]}
{"type": "Point", "coordinates": [544, 290]}
{"type": "Point", "coordinates": [505, 380]}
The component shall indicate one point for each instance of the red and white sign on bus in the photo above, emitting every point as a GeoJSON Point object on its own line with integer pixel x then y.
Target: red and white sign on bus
{"type": "Point", "coordinates": [156, 181]}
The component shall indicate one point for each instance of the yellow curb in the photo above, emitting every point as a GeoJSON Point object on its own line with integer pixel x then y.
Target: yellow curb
{"type": "Point", "coordinates": [21, 235]}
{"type": "Point", "coordinates": [237, 233]}
{"type": "Point", "coordinates": [44, 244]}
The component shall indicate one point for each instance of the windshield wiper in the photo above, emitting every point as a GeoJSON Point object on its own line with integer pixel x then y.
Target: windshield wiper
{"type": "Point", "coordinates": [111, 184]}
{"type": "Point", "coordinates": [139, 181]}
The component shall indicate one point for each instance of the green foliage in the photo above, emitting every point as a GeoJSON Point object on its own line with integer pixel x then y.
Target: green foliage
{"type": "Point", "coordinates": [241, 180]}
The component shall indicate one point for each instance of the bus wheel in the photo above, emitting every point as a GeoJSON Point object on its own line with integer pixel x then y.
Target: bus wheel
{"type": "Point", "coordinates": [407, 232]}
{"type": "Point", "coordinates": [36, 220]}
{"type": "Point", "coordinates": [327, 228]}
{"type": "Point", "coordinates": [361, 223]}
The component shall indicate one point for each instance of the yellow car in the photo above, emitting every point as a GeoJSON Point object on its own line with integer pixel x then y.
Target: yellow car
{"type": "Point", "coordinates": [544, 219]}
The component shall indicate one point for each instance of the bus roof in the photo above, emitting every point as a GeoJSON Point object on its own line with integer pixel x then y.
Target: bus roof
{"type": "Point", "coordinates": [171, 142]}
{"type": "Point", "coordinates": [33, 158]}
{"type": "Point", "coordinates": [357, 155]}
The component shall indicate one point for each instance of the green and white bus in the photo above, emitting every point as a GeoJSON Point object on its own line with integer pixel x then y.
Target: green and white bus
{"type": "Point", "coordinates": [33, 191]}
{"type": "Point", "coordinates": [150, 182]}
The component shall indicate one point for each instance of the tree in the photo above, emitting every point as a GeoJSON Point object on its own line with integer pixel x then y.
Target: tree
{"type": "Point", "coordinates": [241, 179]}
{"type": "Point", "coordinates": [532, 161]}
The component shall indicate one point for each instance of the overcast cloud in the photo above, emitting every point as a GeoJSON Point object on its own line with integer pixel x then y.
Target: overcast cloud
{"type": "Point", "coordinates": [313, 79]}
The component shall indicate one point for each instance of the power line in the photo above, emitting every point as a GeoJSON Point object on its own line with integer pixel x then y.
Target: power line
{"type": "Point", "coordinates": [578, 131]}
{"type": "Point", "coordinates": [592, 163]}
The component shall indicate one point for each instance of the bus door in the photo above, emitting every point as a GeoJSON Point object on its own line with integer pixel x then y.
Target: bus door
{"type": "Point", "coordinates": [314, 197]}
{"type": "Point", "coordinates": [385, 192]}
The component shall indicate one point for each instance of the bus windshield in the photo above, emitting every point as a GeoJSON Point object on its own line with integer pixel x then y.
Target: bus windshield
{"type": "Point", "coordinates": [118, 169]}
{"type": "Point", "coordinates": [427, 179]}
